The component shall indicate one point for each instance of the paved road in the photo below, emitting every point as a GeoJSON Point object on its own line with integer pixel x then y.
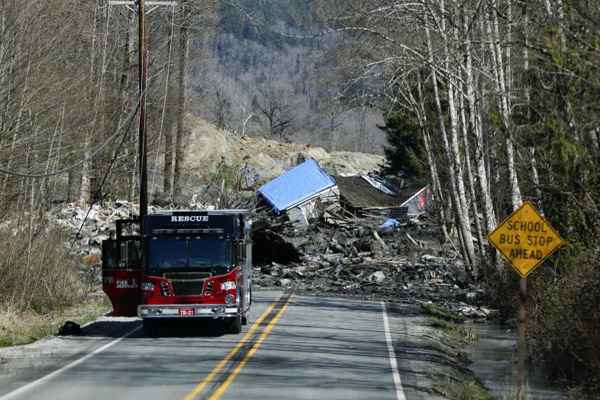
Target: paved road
{"type": "Point", "coordinates": [302, 348]}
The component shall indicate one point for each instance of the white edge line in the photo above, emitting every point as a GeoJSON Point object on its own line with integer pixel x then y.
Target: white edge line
{"type": "Point", "coordinates": [392, 356]}
{"type": "Point", "coordinates": [23, 389]}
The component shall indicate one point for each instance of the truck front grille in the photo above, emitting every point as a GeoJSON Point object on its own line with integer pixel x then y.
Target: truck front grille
{"type": "Point", "coordinates": [187, 283]}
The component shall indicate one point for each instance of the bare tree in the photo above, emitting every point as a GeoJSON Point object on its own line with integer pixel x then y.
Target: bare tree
{"type": "Point", "coordinates": [274, 106]}
{"type": "Point", "coordinates": [221, 109]}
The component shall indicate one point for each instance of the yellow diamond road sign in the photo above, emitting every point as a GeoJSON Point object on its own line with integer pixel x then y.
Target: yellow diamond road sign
{"type": "Point", "coordinates": [525, 239]}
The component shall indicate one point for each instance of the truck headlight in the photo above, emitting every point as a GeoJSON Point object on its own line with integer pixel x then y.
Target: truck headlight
{"type": "Point", "coordinates": [229, 285]}
{"type": "Point", "coordinates": [229, 299]}
{"type": "Point", "coordinates": [148, 286]}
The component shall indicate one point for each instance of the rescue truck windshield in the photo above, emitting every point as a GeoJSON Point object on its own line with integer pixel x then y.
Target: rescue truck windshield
{"type": "Point", "coordinates": [188, 254]}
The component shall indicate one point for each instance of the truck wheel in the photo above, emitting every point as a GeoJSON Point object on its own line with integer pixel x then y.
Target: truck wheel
{"type": "Point", "coordinates": [244, 320]}
{"type": "Point", "coordinates": [234, 325]}
{"type": "Point", "coordinates": [150, 328]}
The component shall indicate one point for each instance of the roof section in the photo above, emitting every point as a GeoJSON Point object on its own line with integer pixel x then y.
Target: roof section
{"type": "Point", "coordinates": [296, 186]}
{"type": "Point", "coordinates": [360, 194]}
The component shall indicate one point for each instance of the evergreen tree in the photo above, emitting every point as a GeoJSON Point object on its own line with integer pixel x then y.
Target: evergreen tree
{"type": "Point", "coordinates": [405, 153]}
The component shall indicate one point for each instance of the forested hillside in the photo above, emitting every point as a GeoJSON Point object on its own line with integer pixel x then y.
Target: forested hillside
{"type": "Point", "coordinates": [272, 68]}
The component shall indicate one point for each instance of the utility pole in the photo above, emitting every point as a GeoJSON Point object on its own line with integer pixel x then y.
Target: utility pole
{"type": "Point", "coordinates": [142, 141]}
{"type": "Point", "coordinates": [143, 76]}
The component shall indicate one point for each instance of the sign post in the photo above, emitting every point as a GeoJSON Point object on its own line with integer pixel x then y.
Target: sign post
{"type": "Point", "coordinates": [525, 239]}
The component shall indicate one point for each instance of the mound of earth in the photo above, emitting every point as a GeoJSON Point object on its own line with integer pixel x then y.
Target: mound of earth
{"type": "Point", "coordinates": [208, 148]}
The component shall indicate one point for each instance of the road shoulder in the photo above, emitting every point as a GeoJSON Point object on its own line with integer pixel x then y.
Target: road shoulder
{"type": "Point", "coordinates": [20, 365]}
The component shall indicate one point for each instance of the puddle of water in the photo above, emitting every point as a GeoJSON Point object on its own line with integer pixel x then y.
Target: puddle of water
{"type": "Point", "coordinates": [495, 364]}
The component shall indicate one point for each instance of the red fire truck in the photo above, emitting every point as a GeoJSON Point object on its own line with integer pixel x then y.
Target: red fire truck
{"type": "Point", "coordinates": [184, 265]}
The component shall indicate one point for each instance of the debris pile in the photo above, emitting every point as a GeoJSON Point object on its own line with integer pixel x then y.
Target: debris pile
{"type": "Point", "coordinates": [88, 227]}
{"type": "Point", "coordinates": [99, 222]}
{"type": "Point", "coordinates": [349, 257]}
{"type": "Point", "coordinates": [359, 235]}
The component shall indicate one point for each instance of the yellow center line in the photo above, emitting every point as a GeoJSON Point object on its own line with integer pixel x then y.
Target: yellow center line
{"type": "Point", "coordinates": [221, 389]}
{"type": "Point", "coordinates": [217, 370]}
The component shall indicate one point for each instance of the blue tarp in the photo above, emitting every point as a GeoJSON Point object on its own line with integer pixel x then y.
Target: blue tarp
{"type": "Point", "coordinates": [296, 186]}
{"type": "Point", "coordinates": [388, 226]}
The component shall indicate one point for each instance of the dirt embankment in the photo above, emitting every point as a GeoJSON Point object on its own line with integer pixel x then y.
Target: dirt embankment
{"type": "Point", "coordinates": [208, 148]}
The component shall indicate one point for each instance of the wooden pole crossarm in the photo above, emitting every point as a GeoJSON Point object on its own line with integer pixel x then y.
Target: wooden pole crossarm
{"type": "Point", "coordinates": [148, 3]}
{"type": "Point", "coordinates": [129, 3]}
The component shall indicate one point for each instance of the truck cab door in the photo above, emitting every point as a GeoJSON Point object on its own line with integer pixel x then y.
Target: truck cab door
{"type": "Point", "coordinates": [121, 275]}
{"type": "Point", "coordinates": [247, 271]}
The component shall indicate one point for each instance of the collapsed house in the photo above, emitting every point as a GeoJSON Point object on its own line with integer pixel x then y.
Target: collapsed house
{"type": "Point", "coordinates": [371, 194]}
{"type": "Point", "coordinates": [301, 193]}
{"type": "Point", "coordinates": [307, 192]}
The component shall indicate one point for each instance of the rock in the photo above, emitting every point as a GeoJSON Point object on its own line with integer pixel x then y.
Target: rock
{"type": "Point", "coordinates": [97, 240]}
{"type": "Point", "coordinates": [427, 258]}
{"type": "Point", "coordinates": [70, 328]}
{"type": "Point", "coordinates": [461, 277]}
{"type": "Point", "coordinates": [489, 312]}
{"type": "Point", "coordinates": [285, 283]}
{"type": "Point", "coordinates": [378, 277]}
{"type": "Point", "coordinates": [364, 245]}
{"type": "Point", "coordinates": [474, 312]}
{"type": "Point", "coordinates": [95, 251]}
{"type": "Point", "coordinates": [301, 270]}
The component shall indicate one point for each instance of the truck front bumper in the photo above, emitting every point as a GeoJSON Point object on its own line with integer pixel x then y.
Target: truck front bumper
{"type": "Point", "coordinates": [185, 311]}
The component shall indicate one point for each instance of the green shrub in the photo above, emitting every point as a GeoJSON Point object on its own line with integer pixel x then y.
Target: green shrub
{"type": "Point", "coordinates": [470, 390]}
{"type": "Point", "coordinates": [564, 324]}
{"type": "Point", "coordinates": [437, 311]}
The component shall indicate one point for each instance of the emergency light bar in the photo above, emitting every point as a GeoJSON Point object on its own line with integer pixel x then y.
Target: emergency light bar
{"type": "Point", "coordinates": [148, 3]}
{"type": "Point", "coordinates": [187, 231]}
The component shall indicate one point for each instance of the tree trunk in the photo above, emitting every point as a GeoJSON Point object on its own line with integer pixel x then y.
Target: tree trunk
{"type": "Point", "coordinates": [535, 178]}
{"type": "Point", "coordinates": [181, 67]}
{"type": "Point", "coordinates": [127, 90]}
{"type": "Point", "coordinates": [470, 179]}
{"type": "Point", "coordinates": [170, 126]}
{"type": "Point", "coordinates": [56, 164]}
{"type": "Point", "coordinates": [168, 162]}
{"type": "Point", "coordinates": [476, 126]}
{"type": "Point", "coordinates": [462, 209]}
{"type": "Point", "coordinates": [85, 192]}
{"type": "Point", "coordinates": [429, 151]}
{"type": "Point", "coordinates": [86, 171]}
{"type": "Point", "coordinates": [513, 180]}
{"type": "Point", "coordinates": [45, 184]}
{"type": "Point", "coordinates": [452, 157]}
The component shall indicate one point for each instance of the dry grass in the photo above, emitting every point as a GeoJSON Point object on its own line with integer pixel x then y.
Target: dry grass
{"type": "Point", "coordinates": [22, 327]}
{"type": "Point", "coordinates": [37, 273]}
{"type": "Point", "coordinates": [42, 284]}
